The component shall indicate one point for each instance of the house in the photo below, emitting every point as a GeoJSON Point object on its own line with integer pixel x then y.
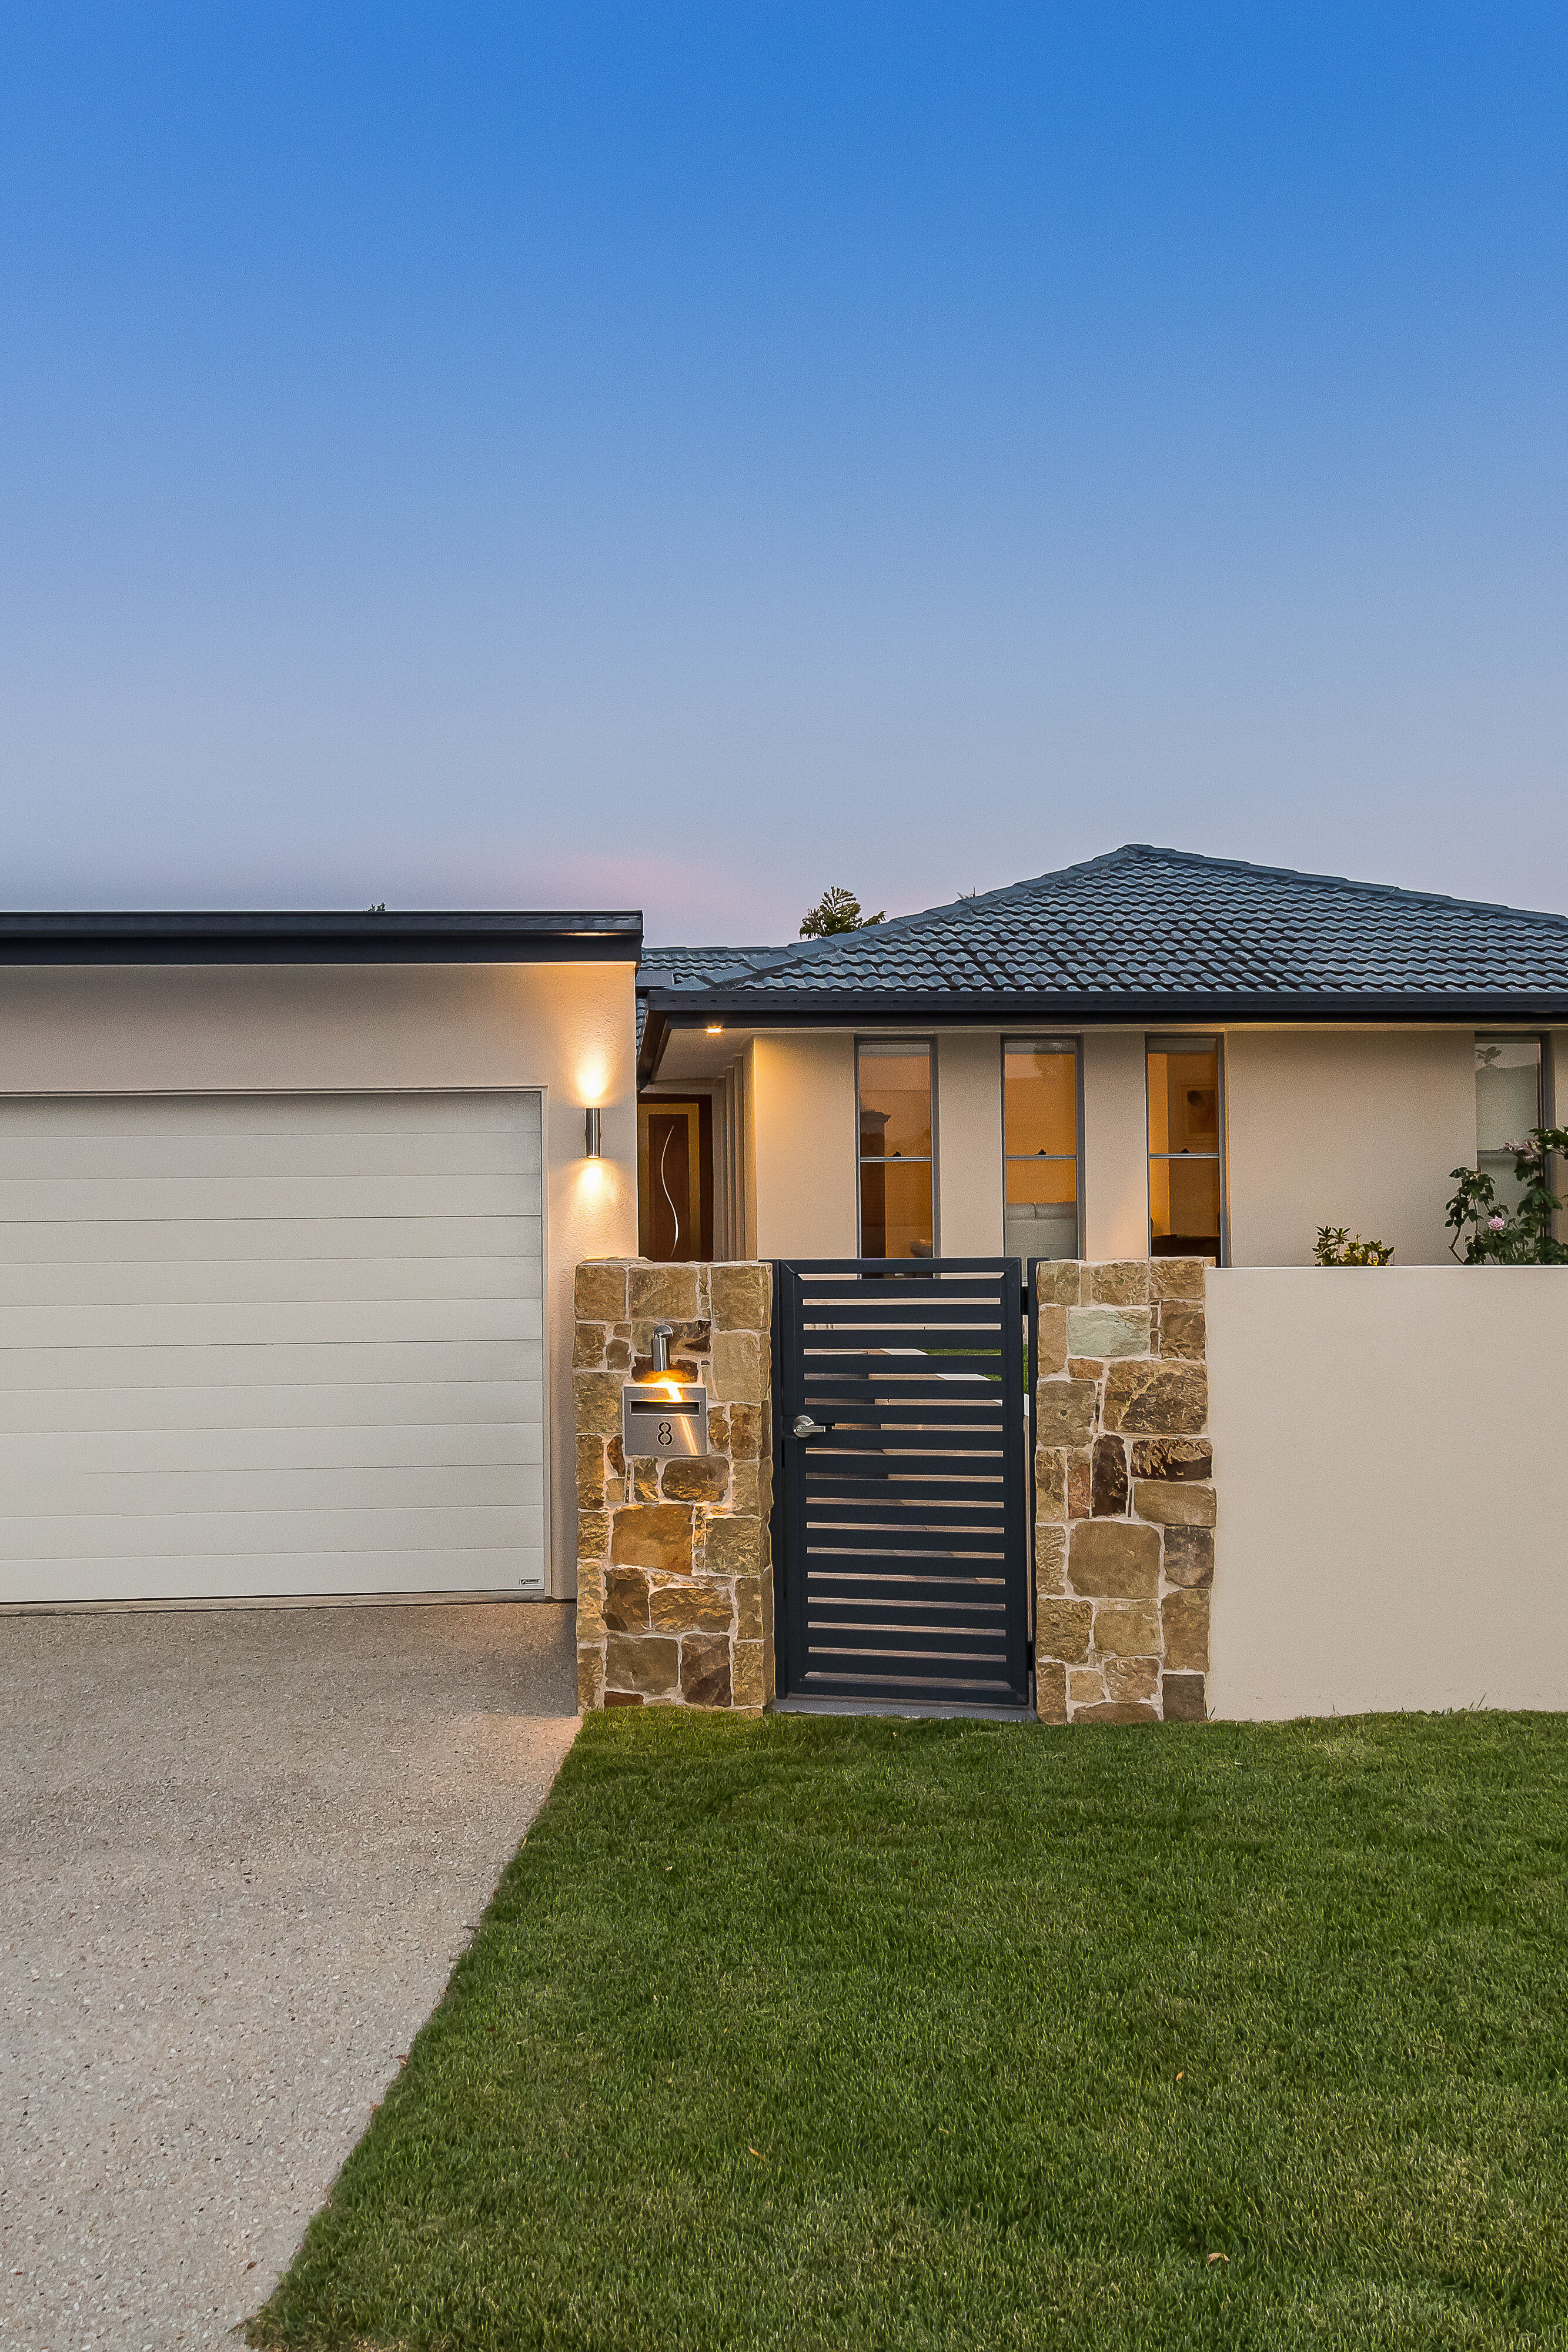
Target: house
{"type": "Point", "coordinates": [1152, 1053]}
{"type": "Point", "coordinates": [291, 1205]}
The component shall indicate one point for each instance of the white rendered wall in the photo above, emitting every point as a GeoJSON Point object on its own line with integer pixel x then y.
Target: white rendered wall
{"type": "Point", "coordinates": [1345, 1127]}
{"type": "Point", "coordinates": [1116, 1145]}
{"type": "Point", "coordinates": [969, 1142]}
{"type": "Point", "coordinates": [567, 1028]}
{"type": "Point", "coordinates": [1389, 1452]}
{"type": "Point", "coordinates": [802, 1162]}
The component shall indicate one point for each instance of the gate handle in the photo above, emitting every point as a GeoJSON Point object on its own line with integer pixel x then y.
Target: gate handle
{"type": "Point", "coordinates": [804, 1426]}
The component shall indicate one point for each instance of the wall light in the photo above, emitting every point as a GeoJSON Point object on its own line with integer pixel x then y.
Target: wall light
{"type": "Point", "coordinates": [593, 1123]}
{"type": "Point", "coordinates": [715, 1029]}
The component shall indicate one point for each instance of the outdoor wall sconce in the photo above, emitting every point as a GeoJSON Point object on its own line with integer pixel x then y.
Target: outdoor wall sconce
{"type": "Point", "coordinates": [594, 1145]}
{"type": "Point", "coordinates": [661, 1415]}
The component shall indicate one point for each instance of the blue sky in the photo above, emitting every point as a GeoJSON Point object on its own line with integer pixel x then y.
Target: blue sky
{"type": "Point", "coordinates": [683, 456]}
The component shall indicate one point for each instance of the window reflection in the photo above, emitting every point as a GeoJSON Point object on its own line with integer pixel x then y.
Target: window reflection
{"type": "Point", "coordinates": [1039, 1146]}
{"type": "Point", "coordinates": [1184, 1161]}
{"type": "Point", "coordinates": [1508, 1105]}
{"type": "Point", "coordinates": [896, 1195]}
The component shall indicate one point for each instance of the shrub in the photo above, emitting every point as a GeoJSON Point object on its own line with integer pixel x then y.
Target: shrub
{"type": "Point", "coordinates": [1518, 1237]}
{"type": "Point", "coordinates": [1335, 1247]}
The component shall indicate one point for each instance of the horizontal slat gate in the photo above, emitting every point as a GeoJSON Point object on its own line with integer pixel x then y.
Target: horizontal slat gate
{"type": "Point", "coordinates": [904, 1536]}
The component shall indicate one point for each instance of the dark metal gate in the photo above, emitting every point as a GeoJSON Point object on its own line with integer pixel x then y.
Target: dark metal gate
{"type": "Point", "coordinates": [901, 1471]}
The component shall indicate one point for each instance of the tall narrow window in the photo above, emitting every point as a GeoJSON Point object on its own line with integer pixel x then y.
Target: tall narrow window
{"type": "Point", "coordinates": [1185, 1146]}
{"type": "Point", "coordinates": [1039, 1146]}
{"type": "Point", "coordinates": [1508, 1104]}
{"type": "Point", "coordinates": [897, 1198]}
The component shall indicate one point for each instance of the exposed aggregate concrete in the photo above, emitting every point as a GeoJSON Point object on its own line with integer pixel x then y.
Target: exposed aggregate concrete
{"type": "Point", "coordinates": [239, 1853]}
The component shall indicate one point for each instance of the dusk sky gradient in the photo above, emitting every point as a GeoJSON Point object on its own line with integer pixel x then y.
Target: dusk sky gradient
{"type": "Point", "coordinates": [681, 458]}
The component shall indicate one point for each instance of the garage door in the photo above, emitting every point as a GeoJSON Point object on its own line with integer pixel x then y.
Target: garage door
{"type": "Point", "coordinates": [270, 1345]}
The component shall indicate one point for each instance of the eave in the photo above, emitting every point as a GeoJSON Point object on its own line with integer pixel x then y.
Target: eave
{"type": "Point", "coordinates": [433, 937]}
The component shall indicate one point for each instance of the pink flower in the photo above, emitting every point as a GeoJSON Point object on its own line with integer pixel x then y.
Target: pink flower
{"type": "Point", "coordinates": [1497, 1223]}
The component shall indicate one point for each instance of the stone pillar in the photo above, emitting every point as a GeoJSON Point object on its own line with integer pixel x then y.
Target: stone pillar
{"type": "Point", "coordinates": [675, 1568]}
{"type": "Point", "coordinates": [1124, 1492]}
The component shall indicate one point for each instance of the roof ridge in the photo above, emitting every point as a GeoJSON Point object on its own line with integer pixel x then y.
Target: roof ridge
{"type": "Point", "coordinates": [1330, 881]}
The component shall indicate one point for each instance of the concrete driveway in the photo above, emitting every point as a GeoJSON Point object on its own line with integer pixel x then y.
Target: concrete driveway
{"type": "Point", "coordinates": [239, 1853]}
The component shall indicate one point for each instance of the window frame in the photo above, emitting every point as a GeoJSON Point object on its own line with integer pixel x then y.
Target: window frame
{"type": "Point", "coordinates": [1195, 1041]}
{"type": "Point", "coordinates": [1539, 1039]}
{"type": "Point", "coordinates": [896, 1039]}
{"type": "Point", "coordinates": [1058, 1040]}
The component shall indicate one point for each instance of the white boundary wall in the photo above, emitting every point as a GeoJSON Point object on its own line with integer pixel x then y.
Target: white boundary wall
{"type": "Point", "coordinates": [1391, 1460]}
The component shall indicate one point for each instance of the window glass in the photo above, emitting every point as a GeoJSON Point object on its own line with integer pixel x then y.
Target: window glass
{"type": "Point", "coordinates": [1039, 1145]}
{"type": "Point", "coordinates": [1184, 1161]}
{"type": "Point", "coordinates": [1508, 1104]}
{"type": "Point", "coordinates": [896, 1197]}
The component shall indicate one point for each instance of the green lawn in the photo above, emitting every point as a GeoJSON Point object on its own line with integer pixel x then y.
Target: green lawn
{"type": "Point", "coordinates": [807, 2033]}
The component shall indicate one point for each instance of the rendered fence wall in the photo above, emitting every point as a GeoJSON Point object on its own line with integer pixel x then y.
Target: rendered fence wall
{"type": "Point", "coordinates": [1391, 1447]}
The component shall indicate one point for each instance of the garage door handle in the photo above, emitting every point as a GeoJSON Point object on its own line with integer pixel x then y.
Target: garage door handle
{"type": "Point", "coordinates": [804, 1426]}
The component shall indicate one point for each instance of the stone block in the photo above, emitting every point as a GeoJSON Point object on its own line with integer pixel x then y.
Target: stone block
{"type": "Point", "coordinates": [1049, 1559]}
{"type": "Point", "coordinates": [748, 1678]}
{"type": "Point", "coordinates": [1050, 1693]}
{"type": "Point", "coordinates": [1051, 1484]}
{"type": "Point", "coordinates": [1186, 1620]}
{"type": "Point", "coordinates": [599, 1290]}
{"type": "Point", "coordinates": [592, 1535]}
{"type": "Point", "coordinates": [704, 1670]}
{"type": "Point", "coordinates": [648, 1665]}
{"type": "Point", "coordinates": [1175, 1277]}
{"type": "Point", "coordinates": [749, 1623]}
{"type": "Point", "coordinates": [1133, 1679]}
{"type": "Point", "coordinates": [614, 1456]}
{"type": "Point", "coordinates": [1061, 1629]}
{"type": "Point", "coordinates": [644, 1480]}
{"type": "Point", "coordinates": [625, 1602]}
{"type": "Point", "coordinates": [1189, 1557]}
{"type": "Point", "coordinates": [1085, 1367]}
{"type": "Point", "coordinates": [1183, 1331]}
{"type": "Point", "coordinates": [1104, 1331]}
{"type": "Point", "coordinates": [1080, 1489]}
{"type": "Point", "coordinates": [1120, 1282]}
{"type": "Point", "coordinates": [591, 1470]}
{"type": "Point", "coordinates": [1050, 1340]}
{"type": "Point", "coordinates": [590, 1604]}
{"type": "Point", "coordinates": [1157, 1399]}
{"type": "Point", "coordinates": [735, 1547]}
{"type": "Point", "coordinates": [1058, 1282]}
{"type": "Point", "coordinates": [742, 1297]}
{"type": "Point", "coordinates": [663, 1294]}
{"type": "Point", "coordinates": [738, 1368]}
{"type": "Point", "coordinates": [699, 1480]}
{"type": "Point", "coordinates": [623, 1698]}
{"type": "Point", "coordinates": [596, 1399]}
{"type": "Point", "coordinates": [1117, 1710]}
{"type": "Point", "coordinates": [1065, 1412]}
{"type": "Point", "coordinates": [653, 1535]}
{"type": "Point", "coordinates": [746, 1431]}
{"type": "Point", "coordinates": [745, 1489]}
{"type": "Point", "coordinates": [1126, 1629]}
{"type": "Point", "coordinates": [1109, 1484]}
{"type": "Point", "coordinates": [1115, 1560]}
{"type": "Point", "coordinates": [1183, 1699]}
{"type": "Point", "coordinates": [1172, 1458]}
{"type": "Point", "coordinates": [718, 1428]}
{"type": "Point", "coordinates": [1085, 1685]}
{"type": "Point", "coordinates": [693, 1606]}
{"type": "Point", "coordinates": [589, 1676]}
{"type": "Point", "coordinates": [1174, 1503]}
{"type": "Point", "coordinates": [618, 1357]}
{"type": "Point", "coordinates": [588, 1347]}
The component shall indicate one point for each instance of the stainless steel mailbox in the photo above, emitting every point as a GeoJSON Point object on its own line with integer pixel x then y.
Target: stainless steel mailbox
{"type": "Point", "coordinates": [663, 1416]}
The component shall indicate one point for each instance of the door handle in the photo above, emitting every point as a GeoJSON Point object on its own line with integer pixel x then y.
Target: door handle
{"type": "Point", "coordinates": [804, 1426]}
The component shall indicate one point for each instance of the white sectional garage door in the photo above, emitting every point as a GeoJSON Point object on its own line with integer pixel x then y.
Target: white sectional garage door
{"type": "Point", "coordinates": [270, 1345]}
